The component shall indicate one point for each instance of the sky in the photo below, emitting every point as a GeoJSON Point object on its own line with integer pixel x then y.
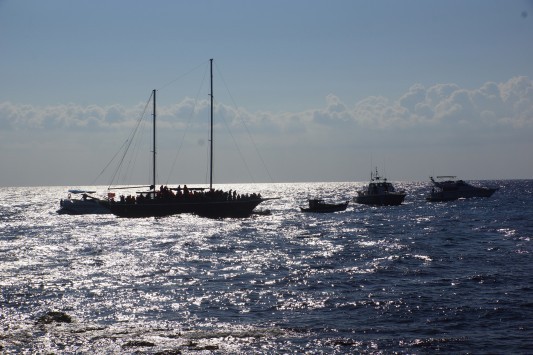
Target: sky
{"type": "Point", "coordinates": [305, 90]}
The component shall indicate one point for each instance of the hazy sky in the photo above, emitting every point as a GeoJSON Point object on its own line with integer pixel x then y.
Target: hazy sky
{"type": "Point", "coordinates": [310, 90]}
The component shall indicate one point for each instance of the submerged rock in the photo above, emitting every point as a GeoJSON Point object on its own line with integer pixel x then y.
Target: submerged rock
{"type": "Point", "coordinates": [194, 346]}
{"type": "Point", "coordinates": [138, 343]}
{"type": "Point", "coordinates": [58, 317]}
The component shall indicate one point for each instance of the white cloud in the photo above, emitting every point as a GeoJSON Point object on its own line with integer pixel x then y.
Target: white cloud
{"type": "Point", "coordinates": [379, 113]}
{"type": "Point", "coordinates": [441, 105]}
{"type": "Point", "coordinates": [64, 117]}
{"type": "Point", "coordinates": [508, 104]}
{"type": "Point", "coordinates": [505, 104]}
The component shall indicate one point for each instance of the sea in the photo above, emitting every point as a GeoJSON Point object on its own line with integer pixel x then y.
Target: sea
{"type": "Point", "coordinates": [424, 277]}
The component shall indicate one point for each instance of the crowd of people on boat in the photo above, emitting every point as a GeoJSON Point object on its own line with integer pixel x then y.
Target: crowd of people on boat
{"type": "Point", "coordinates": [187, 194]}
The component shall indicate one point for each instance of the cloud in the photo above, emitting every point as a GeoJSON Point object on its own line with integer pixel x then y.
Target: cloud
{"type": "Point", "coordinates": [508, 104]}
{"type": "Point", "coordinates": [65, 117]}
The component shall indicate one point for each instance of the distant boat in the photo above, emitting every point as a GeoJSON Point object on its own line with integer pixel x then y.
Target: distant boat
{"type": "Point", "coordinates": [319, 206]}
{"type": "Point", "coordinates": [379, 192]}
{"type": "Point", "coordinates": [82, 204]}
{"type": "Point", "coordinates": [447, 188]}
{"type": "Point", "coordinates": [205, 202]}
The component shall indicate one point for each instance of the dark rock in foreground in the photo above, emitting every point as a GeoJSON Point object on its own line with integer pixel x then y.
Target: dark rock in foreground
{"type": "Point", "coordinates": [138, 343]}
{"type": "Point", "coordinates": [58, 317]}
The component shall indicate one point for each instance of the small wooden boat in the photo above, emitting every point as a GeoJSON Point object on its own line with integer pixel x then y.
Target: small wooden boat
{"type": "Point", "coordinates": [318, 205]}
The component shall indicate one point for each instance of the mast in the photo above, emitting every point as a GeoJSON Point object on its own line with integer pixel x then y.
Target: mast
{"type": "Point", "coordinates": [153, 156]}
{"type": "Point", "coordinates": [211, 148]}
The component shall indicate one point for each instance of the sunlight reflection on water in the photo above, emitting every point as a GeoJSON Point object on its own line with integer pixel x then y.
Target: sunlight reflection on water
{"type": "Point", "coordinates": [363, 280]}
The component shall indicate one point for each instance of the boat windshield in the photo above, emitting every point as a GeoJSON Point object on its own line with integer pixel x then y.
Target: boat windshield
{"type": "Point", "coordinates": [380, 187]}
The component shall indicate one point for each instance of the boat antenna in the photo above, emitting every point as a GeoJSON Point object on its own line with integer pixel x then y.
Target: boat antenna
{"type": "Point", "coordinates": [371, 168]}
{"type": "Point", "coordinates": [211, 147]}
{"type": "Point", "coordinates": [153, 156]}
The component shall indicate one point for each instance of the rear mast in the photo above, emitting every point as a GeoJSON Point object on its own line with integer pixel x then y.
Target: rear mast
{"type": "Point", "coordinates": [153, 156]}
{"type": "Point", "coordinates": [211, 148]}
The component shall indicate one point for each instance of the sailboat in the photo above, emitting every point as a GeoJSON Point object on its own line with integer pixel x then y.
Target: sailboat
{"type": "Point", "coordinates": [200, 201]}
{"type": "Point", "coordinates": [86, 204]}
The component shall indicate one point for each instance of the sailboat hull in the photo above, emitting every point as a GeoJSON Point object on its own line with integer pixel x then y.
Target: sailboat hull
{"type": "Point", "coordinates": [212, 209]}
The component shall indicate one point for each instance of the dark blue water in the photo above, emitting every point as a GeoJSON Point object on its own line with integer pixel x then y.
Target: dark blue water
{"type": "Point", "coordinates": [418, 278]}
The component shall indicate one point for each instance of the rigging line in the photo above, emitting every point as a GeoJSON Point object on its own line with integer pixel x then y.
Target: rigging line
{"type": "Point", "coordinates": [207, 151]}
{"type": "Point", "coordinates": [257, 150]}
{"type": "Point", "coordinates": [181, 76]}
{"type": "Point", "coordinates": [139, 149]}
{"type": "Point", "coordinates": [191, 116]}
{"type": "Point", "coordinates": [245, 126]}
{"type": "Point", "coordinates": [132, 135]}
{"type": "Point", "coordinates": [127, 167]}
{"type": "Point", "coordinates": [136, 151]}
{"type": "Point", "coordinates": [238, 149]}
{"type": "Point", "coordinates": [109, 163]}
